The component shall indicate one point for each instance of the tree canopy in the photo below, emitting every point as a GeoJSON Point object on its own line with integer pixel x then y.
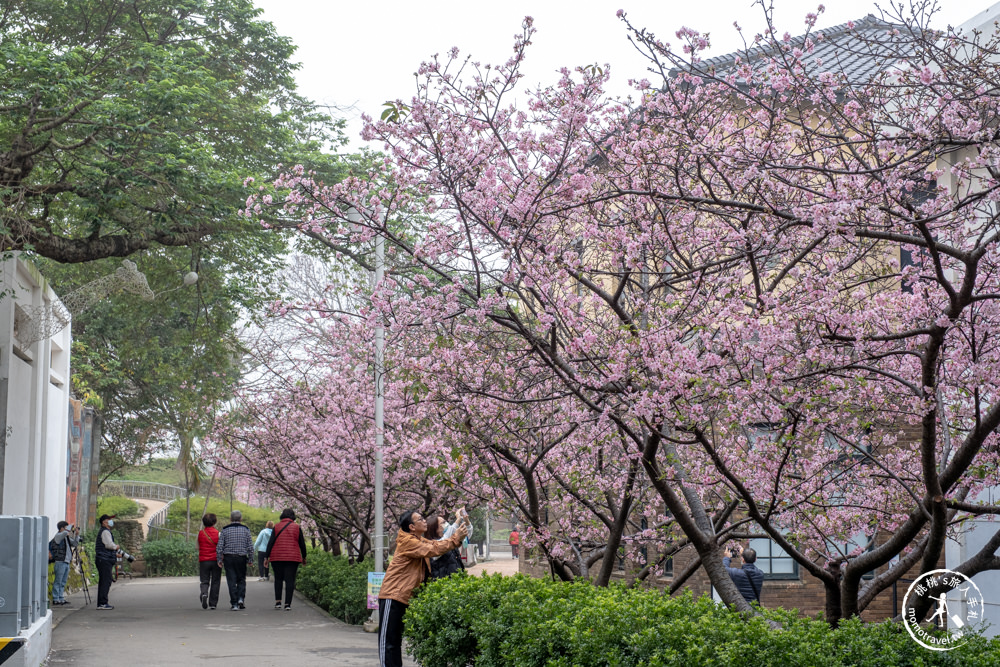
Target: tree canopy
{"type": "Point", "coordinates": [131, 125]}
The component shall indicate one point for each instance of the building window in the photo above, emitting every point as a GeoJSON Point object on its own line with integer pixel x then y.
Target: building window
{"type": "Point", "coordinates": [668, 567]}
{"type": "Point", "coordinates": [774, 561]}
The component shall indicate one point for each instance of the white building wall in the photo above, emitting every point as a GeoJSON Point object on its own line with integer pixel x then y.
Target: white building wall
{"type": "Point", "coordinates": [34, 398]}
{"type": "Point", "coordinates": [969, 542]}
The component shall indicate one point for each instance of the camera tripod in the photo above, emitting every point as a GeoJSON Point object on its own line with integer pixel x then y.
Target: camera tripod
{"type": "Point", "coordinates": [78, 561]}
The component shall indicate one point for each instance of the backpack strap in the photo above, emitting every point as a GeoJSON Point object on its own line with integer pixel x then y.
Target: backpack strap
{"type": "Point", "coordinates": [271, 543]}
{"type": "Point", "coordinates": [753, 587]}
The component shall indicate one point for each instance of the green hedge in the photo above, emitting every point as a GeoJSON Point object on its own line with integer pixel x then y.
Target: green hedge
{"type": "Point", "coordinates": [124, 508]}
{"type": "Point", "coordinates": [336, 585]}
{"type": "Point", "coordinates": [171, 557]}
{"type": "Point", "coordinates": [253, 517]}
{"type": "Point", "coordinates": [520, 622]}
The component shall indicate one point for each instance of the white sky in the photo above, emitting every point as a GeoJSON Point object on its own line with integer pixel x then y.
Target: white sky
{"type": "Point", "coordinates": [360, 54]}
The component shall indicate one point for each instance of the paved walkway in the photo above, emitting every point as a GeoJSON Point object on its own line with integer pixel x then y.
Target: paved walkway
{"type": "Point", "coordinates": [160, 622]}
{"type": "Point", "coordinates": [501, 563]}
{"type": "Point", "coordinates": [152, 507]}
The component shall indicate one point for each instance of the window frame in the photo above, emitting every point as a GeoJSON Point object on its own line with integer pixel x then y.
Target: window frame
{"type": "Point", "coordinates": [769, 558]}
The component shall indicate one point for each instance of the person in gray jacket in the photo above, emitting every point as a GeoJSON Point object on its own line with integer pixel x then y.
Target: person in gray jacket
{"type": "Point", "coordinates": [749, 579]}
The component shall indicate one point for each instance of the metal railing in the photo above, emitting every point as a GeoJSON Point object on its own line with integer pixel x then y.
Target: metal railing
{"type": "Point", "coordinates": [159, 532]}
{"type": "Point", "coordinates": [158, 518]}
{"type": "Point", "coordinates": [147, 490]}
{"type": "Point", "coordinates": [157, 523]}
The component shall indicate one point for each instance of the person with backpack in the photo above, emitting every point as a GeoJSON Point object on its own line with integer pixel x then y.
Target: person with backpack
{"type": "Point", "coordinates": [61, 548]}
{"type": "Point", "coordinates": [209, 571]}
{"type": "Point", "coordinates": [286, 550]}
{"type": "Point", "coordinates": [407, 570]}
{"type": "Point", "coordinates": [749, 579]}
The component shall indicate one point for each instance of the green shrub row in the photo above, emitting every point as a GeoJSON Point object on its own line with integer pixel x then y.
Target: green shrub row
{"type": "Point", "coordinates": [170, 557]}
{"type": "Point", "coordinates": [521, 622]}
{"type": "Point", "coordinates": [254, 518]}
{"type": "Point", "coordinates": [124, 508]}
{"type": "Point", "coordinates": [336, 585]}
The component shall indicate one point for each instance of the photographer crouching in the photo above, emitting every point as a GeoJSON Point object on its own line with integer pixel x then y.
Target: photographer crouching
{"type": "Point", "coordinates": [106, 555]}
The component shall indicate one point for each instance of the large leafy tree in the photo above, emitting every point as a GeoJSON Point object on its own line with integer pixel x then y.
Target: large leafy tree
{"type": "Point", "coordinates": [128, 125]}
{"type": "Point", "coordinates": [158, 367]}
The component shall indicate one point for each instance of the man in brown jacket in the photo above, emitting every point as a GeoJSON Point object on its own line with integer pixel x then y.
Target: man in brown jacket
{"type": "Point", "coordinates": [407, 570]}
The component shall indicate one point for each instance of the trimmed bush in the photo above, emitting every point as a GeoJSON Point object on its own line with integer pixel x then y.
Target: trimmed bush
{"type": "Point", "coordinates": [336, 585]}
{"type": "Point", "coordinates": [171, 557]}
{"type": "Point", "coordinates": [254, 518]}
{"type": "Point", "coordinates": [516, 621]}
{"type": "Point", "coordinates": [124, 508]}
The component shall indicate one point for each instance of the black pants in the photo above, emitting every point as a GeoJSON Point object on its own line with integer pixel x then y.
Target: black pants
{"type": "Point", "coordinates": [284, 571]}
{"type": "Point", "coordinates": [390, 633]}
{"type": "Point", "coordinates": [261, 568]}
{"type": "Point", "coordinates": [105, 573]}
{"type": "Point", "coordinates": [211, 577]}
{"type": "Point", "coordinates": [236, 577]}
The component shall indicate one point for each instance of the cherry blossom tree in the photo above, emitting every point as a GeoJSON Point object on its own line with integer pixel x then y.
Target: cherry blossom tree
{"type": "Point", "coordinates": [774, 281]}
{"type": "Point", "coordinates": [302, 425]}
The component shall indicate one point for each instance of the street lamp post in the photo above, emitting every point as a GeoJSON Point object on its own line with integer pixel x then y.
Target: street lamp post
{"type": "Point", "coordinates": [379, 410]}
{"type": "Point", "coordinates": [379, 528]}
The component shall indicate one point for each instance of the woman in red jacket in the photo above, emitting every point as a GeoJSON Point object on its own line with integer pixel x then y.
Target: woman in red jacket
{"type": "Point", "coordinates": [208, 568]}
{"type": "Point", "coordinates": [285, 551]}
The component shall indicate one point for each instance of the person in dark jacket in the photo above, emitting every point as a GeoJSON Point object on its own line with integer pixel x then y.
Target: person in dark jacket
{"type": "Point", "coordinates": [285, 551]}
{"type": "Point", "coordinates": [748, 579]}
{"type": "Point", "coordinates": [106, 555]}
{"type": "Point", "coordinates": [449, 563]}
{"type": "Point", "coordinates": [234, 552]}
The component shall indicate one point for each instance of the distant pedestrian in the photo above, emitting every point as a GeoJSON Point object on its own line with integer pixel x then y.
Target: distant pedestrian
{"type": "Point", "coordinates": [234, 552]}
{"type": "Point", "coordinates": [407, 570]}
{"type": "Point", "coordinates": [106, 557]}
{"type": "Point", "coordinates": [285, 551]}
{"type": "Point", "coordinates": [208, 568]}
{"type": "Point", "coordinates": [515, 543]}
{"type": "Point", "coordinates": [61, 547]}
{"type": "Point", "coordinates": [260, 546]}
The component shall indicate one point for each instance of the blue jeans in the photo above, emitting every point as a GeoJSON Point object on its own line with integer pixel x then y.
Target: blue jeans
{"type": "Point", "coordinates": [59, 583]}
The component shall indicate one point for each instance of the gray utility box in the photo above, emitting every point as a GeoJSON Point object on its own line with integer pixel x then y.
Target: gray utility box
{"type": "Point", "coordinates": [24, 572]}
{"type": "Point", "coordinates": [41, 599]}
{"type": "Point", "coordinates": [29, 577]}
{"type": "Point", "coordinates": [11, 579]}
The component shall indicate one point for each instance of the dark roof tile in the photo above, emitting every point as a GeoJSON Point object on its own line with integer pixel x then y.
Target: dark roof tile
{"type": "Point", "coordinates": [858, 52]}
